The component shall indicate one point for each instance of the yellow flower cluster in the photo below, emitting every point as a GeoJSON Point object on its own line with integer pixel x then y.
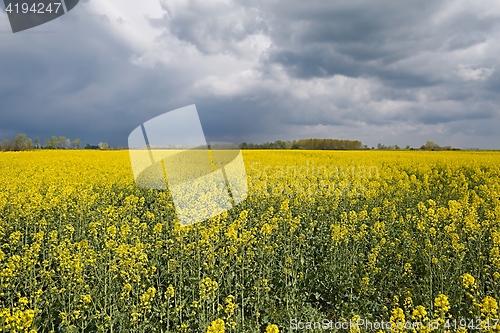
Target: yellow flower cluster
{"type": "Point", "coordinates": [217, 326]}
{"type": "Point", "coordinates": [489, 307]}
{"type": "Point", "coordinates": [272, 329]}
{"type": "Point", "coordinates": [441, 302]}
{"type": "Point", "coordinates": [468, 281]}
{"type": "Point", "coordinates": [208, 289]}
{"type": "Point", "coordinates": [16, 320]}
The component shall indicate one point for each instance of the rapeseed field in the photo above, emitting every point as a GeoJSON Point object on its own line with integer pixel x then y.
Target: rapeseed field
{"type": "Point", "coordinates": [323, 236]}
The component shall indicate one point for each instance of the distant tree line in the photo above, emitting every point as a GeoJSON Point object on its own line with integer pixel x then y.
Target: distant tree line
{"type": "Point", "coordinates": [22, 142]}
{"type": "Point", "coordinates": [393, 147]}
{"type": "Point", "coordinates": [316, 144]}
{"type": "Point", "coordinates": [429, 145]}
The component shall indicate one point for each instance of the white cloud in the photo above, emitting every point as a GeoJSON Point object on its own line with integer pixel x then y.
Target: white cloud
{"type": "Point", "coordinates": [129, 20]}
{"type": "Point", "coordinates": [470, 74]}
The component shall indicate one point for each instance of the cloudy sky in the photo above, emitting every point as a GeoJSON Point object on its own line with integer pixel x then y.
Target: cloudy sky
{"type": "Point", "coordinates": [395, 72]}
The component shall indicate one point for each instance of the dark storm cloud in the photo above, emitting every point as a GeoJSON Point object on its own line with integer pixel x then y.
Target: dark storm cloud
{"type": "Point", "coordinates": [367, 38]}
{"type": "Point", "coordinates": [360, 32]}
{"type": "Point", "coordinates": [260, 70]}
{"type": "Point", "coordinates": [47, 82]}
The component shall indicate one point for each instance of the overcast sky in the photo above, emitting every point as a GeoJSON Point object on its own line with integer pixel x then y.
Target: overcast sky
{"type": "Point", "coordinates": [394, 72]}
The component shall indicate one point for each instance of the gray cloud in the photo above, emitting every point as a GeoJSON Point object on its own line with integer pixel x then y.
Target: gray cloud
{"type": "Point", "coordinates": [213, 27]}
{"type": "Point", "coordinates": [392, 72]}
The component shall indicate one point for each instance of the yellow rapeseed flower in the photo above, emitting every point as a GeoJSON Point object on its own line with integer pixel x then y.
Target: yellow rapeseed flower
{"type": "Point", "coordinates": [489, 307]}
{"type": "Point", "coordinates": [272, 329]}
{"type": "Point", "coordinates": [468, 281]}
{"type": "Point", "coordinates": [217, 326]}
{"type": "Point", "coordinates": [441, 302]}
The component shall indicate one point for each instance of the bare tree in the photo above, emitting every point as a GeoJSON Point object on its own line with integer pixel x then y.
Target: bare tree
{"type": "Point", "coordinates": [19, 142]}
{"type": "Point", "coordinates": [5, 145]}
{"type": "Point", "coordinates": [52, 143]}
{"type": "Point", "coordinates": [61, 141]}
{"type": "Point", "coordinates": [77, 143]}
{"type": "Point", "coordinates": [28, 144]}
{"type": "Point", "coordinates": [103, 145]}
